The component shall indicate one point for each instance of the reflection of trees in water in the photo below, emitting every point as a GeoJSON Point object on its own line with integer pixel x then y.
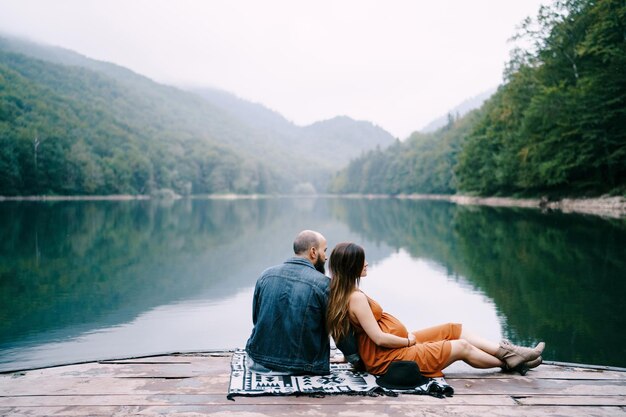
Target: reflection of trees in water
{"type": "Point", "coordinates": [66, 264]}
{"type": "Point", "coordinates": [552, 276]}
{"type": "Point", "coordinates": [422, 228]}
{"type": "Point", "coordinates": [72, 263]}
{"type": "Point", "coordinates": [71, 267]}
{"type": "Point", "coordinates": [555, 276]}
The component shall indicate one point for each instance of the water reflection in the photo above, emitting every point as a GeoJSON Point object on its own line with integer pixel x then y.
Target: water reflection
{"type": "Point", "coordinates": [74, 274]}
{"type": "Point", "coordinates": [194, 325]}
{"type": "Point", "coordinates": [420, 294]}
{"type": "Point", "coordinates": [89, 280]}
{"type": "Point", "coordinates": [558, 277]}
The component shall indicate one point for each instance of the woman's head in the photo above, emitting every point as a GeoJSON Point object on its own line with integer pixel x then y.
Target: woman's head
{"type": "Point", "coordinates": [347, 262]}
{"type": "Point", "coordinates": [347, 265]}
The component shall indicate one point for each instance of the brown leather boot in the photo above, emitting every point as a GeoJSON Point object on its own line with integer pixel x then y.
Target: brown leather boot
{"type": "Point", "coordinates": [514, 356]}
{"type": "Point", "coordinates": [534, 363]}
{"type": "Point", "coordinates": [523, 367]}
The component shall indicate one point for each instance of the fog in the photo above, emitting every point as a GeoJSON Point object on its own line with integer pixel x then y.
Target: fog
{"type": "Point", "coordinates": [398, 64]}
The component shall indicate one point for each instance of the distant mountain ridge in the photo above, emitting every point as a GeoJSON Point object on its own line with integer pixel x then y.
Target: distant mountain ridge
{"type": "Point", "coordinates": [332, 142]}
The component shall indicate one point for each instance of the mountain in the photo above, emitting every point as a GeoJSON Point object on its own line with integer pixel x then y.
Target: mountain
{"type": "Point", "coordinates": [343, 139]}
{"type": "Point", "coordinates": [253, 114]}
{"type": "Point", "coordinates": [65, 129]}
{"type": "Point", "coordinates": [330, 143]}
{"type": "Point", "coordinates": [465, 107]}
{"type": "Point", "coordinates": [73, 125]}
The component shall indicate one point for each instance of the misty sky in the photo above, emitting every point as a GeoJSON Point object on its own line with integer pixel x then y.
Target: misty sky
{"type": "Point", "coordinates": [399, 64]}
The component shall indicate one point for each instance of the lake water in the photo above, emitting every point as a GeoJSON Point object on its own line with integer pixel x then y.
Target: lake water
{"type": "Point", "coordinates": [88, 280]}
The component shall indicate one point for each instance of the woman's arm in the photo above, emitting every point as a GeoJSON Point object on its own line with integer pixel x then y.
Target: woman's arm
{"type": "Point", "coordinates": [360, 309]}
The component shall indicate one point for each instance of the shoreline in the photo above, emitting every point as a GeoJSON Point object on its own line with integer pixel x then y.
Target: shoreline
{"type": "Point", "coordinates": [112, 197]}
{"type": "Point", "coordinates": [129, 197]}
{"type": "Point", "coordinates": [604, 206]}
{"type": "Point", "coordinates": [613, 207]}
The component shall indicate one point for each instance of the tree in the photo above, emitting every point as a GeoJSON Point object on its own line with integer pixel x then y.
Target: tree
{"type": "Point", "coordinates": [558, 124]}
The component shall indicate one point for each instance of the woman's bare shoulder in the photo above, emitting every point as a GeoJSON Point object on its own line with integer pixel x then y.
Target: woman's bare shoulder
{"type": "Point", "coordinates": [358, 296]}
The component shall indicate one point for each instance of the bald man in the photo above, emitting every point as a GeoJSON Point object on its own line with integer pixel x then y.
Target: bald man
{"type": "Point", "coordinates": [289, 312]}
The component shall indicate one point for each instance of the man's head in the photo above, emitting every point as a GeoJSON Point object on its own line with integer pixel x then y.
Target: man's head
{"type": "Point", "coordinates": [311, 245]}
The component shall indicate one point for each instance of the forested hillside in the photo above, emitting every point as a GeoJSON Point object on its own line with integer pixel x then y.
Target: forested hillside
{"type": "Point", "coordinates": [331, 143]}
{"type": "Point", "coordinates": [423, 163]}
{"type": "Point", "coordinates": [72, 125]}
{"type": "Point", "coordinates": [557, 125]}
{"type": "Point", "coordinates": [73, 131]}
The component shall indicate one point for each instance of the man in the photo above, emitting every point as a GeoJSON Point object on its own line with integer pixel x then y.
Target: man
{"type": "Point", "coordinates": [289, 312]}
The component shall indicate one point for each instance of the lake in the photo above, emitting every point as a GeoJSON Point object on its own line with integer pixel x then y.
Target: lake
{"type": "Point", "coordinates": [88, 280]}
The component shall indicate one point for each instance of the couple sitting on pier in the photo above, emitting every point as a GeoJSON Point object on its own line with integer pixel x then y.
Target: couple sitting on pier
{"type": "Point", "coordinates": [296, 306]}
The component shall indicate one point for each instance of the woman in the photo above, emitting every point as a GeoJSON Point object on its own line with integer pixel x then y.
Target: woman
{"type": "Point", "coordinates": [381, 338]}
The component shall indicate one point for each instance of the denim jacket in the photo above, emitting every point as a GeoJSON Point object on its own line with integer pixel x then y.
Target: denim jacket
{"type": "Point", "coordinates": [289, 314]}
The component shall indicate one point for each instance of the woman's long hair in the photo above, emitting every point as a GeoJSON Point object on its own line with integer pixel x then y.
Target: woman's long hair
{"type": "Point", "coordinates": [346, 264]}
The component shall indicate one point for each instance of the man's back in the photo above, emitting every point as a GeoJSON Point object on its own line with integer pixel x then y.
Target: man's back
{"type": "Point", "coordinates": [289, 310]}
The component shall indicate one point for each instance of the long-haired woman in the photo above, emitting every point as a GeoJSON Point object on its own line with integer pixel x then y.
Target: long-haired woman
{"type": "Point", "coordinates": [381, 338]}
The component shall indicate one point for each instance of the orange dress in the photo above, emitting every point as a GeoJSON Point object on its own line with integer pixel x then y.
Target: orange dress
{"type": "Point", "coordinates": [431, 352]}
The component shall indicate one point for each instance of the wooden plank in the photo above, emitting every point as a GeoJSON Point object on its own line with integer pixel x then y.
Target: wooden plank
{"type": "Point", "coordinates": [193, 384]}
{"type": "Point", "coordinates": [193, 364]}
{"type": "Point", "coordinates": [214, 399]}
{"type": "Point", "coordinates": [107, 385]}
{"type": "Point", "coordinates": [144, 362]}
{"type": "Point", "coordinates": [315, 410]}
{"type": "Point", "coordinates": [173, 358]}
{"type": "Point", "coordinates": [528, 386]}
{"type": "Point", "coordinates": [583, 365]}
{"type": "Point", "coordinates": [560, 373]}
{"type": "Point", "coordinates": [581, 400]}
{"type": "Point", "coordinates": [457, 370]}
{"type": "Point", "coordinates": [542, 372]}
{"type": "Point", "coordinates": [181, 368]}
{"type": "Point", "coordinates": [215, 384]}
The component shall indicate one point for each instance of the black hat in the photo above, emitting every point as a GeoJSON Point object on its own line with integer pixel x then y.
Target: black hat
{"type": "Point", "coordinates": [402, 375]}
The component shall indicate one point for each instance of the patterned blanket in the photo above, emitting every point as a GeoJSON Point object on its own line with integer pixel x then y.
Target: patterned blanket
{"type": "Point", "coordinates": [341, 380]}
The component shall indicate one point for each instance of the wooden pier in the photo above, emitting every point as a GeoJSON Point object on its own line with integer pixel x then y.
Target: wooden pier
{"type": "Point", "coordinates": [196, 384]}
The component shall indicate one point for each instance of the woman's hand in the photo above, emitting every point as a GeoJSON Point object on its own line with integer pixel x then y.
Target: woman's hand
{"type": "Point", "coordinates": [411, 338]}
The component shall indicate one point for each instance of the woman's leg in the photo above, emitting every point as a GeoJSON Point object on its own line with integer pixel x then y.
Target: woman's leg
{"type": "Point", "coordinates": [503, 354]}
{"type": "Point", "coordinates": [480, 342]}
{"type": "Point", "coordinates": [465, 351]}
